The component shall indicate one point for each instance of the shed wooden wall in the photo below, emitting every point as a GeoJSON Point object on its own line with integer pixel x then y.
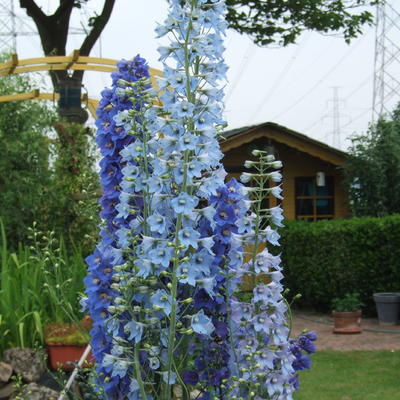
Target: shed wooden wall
{"type": "Point", "coordinates": [295, 164]}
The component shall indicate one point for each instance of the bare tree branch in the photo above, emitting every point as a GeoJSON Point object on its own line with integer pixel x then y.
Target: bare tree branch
{"type": "Point", "coordinates": [99, 25]}
{"type": "Point", "coordinates": [94, 34]}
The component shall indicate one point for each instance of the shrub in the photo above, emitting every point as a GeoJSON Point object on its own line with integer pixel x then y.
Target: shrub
{"type": "Point", "coordinates": [372, 169]}
{"type": "Point", "coordinates": [328, 259]}
{"type": "Point", "coordinates": [47, 171]}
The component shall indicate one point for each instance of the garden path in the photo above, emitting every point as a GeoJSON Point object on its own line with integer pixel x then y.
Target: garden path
{"type": "Point", "coordinates": [369, 339]}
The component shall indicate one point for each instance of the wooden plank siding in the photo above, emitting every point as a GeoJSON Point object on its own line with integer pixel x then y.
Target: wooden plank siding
{"type": "Point", "coordinates": [296, 163]}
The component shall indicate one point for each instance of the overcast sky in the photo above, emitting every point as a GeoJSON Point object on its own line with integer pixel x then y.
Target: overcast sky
{"type": "Point", "coordinates": [292, 86]}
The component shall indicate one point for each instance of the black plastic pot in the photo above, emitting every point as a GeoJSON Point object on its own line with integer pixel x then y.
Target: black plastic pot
{"type": "Point", "coordinates": [388, 307]}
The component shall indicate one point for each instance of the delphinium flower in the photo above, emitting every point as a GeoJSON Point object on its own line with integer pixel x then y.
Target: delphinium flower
{"type": "Point", "coordinates": [176, 241]}
{"type": "Point", "coordinates": [169, 171]}
{"type": "Point", "coordinates": [301, 346]}
{"type": "Point", "coordinates": [211, 354]}
{"type": "Point", "coordinates": [112, 136]}
{"type": "Point", "coordinates": [262, 361]}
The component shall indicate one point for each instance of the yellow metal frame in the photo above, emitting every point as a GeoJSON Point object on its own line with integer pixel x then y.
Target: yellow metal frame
{"type": "Point", "coordinates": [74, 62]}
{"type": "Point", "coordinates": [37, 95]}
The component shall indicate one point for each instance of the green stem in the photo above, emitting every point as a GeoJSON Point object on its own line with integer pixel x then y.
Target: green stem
{"type": "Point", "coordinates": [290, 316]}
{"type": "Point", "coordinates": [171, 339]}
{"type": "Point", "coordinates": [259, 195]}
{"type": "Point", "coordinates": [257, 228]}
{"type": "Point", "coordinates": [228, 310]}
{"type": "Point", "coordinates": [138, 372]}
{"type": "Point", "coordinates": [174, 283]}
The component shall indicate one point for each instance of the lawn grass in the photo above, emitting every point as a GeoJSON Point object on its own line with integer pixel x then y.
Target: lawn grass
{"type": "Point", "coordinates": [351, 375]}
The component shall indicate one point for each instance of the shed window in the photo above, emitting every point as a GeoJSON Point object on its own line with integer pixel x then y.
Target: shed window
{"type": "Point", "coordinates": [314, 202]}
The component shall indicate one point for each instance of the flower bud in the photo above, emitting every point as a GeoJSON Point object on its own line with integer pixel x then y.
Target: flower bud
{"type": "Point", "coordinates": [246, 177]}
{"type": "Point", "coordinates": [142, 289]}
{"type": "Point", "coordinates": [111, 309]}
{"type": "Point", "coordinates": [257, 153]}
{"type": "Point", "coordinates": [249, 164]}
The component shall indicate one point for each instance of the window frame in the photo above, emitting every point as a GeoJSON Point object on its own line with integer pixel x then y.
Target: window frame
{"type": "Point", "coordinates": [314, 216]}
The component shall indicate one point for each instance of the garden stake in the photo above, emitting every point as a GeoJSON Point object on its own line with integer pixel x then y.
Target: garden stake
{"type": "Point", "coordinates": [75, 372]}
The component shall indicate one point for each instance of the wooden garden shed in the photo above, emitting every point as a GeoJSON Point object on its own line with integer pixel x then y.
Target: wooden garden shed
{"type": "Point", "coordinates": [312, 175]}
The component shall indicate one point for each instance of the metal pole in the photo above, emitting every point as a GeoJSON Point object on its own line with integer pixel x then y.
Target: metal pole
{"type": "Point", "coordinates": [75, 372]}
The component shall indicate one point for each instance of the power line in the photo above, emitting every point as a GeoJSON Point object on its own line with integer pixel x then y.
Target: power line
{"type": "Point", "coordinates": [278, 82]}
{"type": "Point", "coordinates": [322, 79]}
{"type": "Point", "coordinates": [242, 67]}
{"type": "Point", "coordinates": [366, 80]}
{"type": "Point", "coordinates": [356, 118]}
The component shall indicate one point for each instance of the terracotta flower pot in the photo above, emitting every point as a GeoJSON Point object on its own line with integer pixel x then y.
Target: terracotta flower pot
{"type": "Point", "coordinates": [62, 356]}
{"type": "Point", "coordinates": [66, 343]}
{"type": "Point", "coordinates": [347, 321]}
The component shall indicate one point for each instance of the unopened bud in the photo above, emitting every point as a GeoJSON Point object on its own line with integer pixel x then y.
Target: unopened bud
{"type": "Point", "coordinates": [297, 297]}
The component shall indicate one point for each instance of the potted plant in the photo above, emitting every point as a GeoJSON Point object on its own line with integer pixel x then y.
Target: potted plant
{"type": "Point", "coordinates": [347, 313]}
{"type": "Point", "coordinates": [66, 343]}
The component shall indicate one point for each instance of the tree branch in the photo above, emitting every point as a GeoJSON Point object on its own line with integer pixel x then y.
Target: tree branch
{"type": "Point", "coordinates": [65, 6]}
{"type": "Point", "coordinates": [34, 11]}
{"type": "Point", "coordinates": [99, 25]}
{"type": "Point", "coordinates": [94, 34]}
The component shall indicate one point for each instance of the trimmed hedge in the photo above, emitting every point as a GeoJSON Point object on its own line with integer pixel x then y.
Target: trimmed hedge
{"type": "Point", "coordinates": [327, 259]}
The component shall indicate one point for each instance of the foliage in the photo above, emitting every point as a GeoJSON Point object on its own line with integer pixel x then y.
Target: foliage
{"type": "Point", "coordinates": [74, 192]}
{"type": "Point", "coordinates": [356, 375]}
{"type": "Point", "coordinates": [350, 302]}
{"type": "Point", "coordinates": [85, 380]}
{"type": "Point", "coordinates": [282, 22]}
{"type": "Point", "coordinates": [328, 259]}
{"type": "Point", "coordinates": [25, 173]}
{"type": "Point", "coordinates": [83, 387]}
{"type": "Point", "coordinates": [373, 169]}
{"type": "Point", "coordinates": [47, 179]}
{"type": "Point", "coordinates": [37, 285]}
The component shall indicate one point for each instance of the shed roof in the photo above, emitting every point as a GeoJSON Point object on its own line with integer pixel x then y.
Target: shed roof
{"type": "Point", "coordinates": [237, 137]}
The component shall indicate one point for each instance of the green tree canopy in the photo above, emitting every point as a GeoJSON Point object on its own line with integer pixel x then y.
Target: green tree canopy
{"type": "Point", "coordinates": [24, 164]}
{"type": "Point", "coordinates": [45, 176]}
{"type": "Point", "coordinates": [373, 169]}
{"type": "Point", "coordinates": [282, 21]}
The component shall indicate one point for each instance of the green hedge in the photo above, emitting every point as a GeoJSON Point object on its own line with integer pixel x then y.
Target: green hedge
{"type": "Point", "coordinates": [328, 259]}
